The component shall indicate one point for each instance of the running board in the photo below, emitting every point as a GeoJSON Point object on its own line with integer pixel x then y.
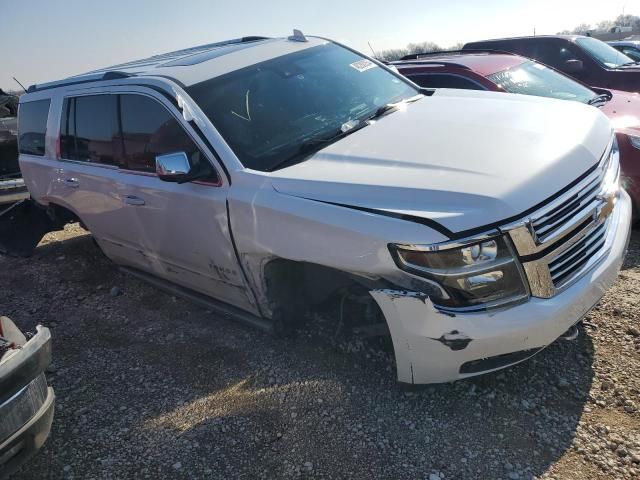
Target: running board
{"type": "Point", "coordinates": [216, 306]}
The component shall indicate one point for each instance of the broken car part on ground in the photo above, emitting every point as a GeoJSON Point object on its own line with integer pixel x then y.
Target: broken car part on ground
{"type": "Point", "coordinates": [26, 402]}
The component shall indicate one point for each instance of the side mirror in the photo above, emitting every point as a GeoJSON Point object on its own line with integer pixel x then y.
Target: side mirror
{"type": "Point", "coordinates": [173, 167]}
{"type": "Point", "coordinates": [573, 66]}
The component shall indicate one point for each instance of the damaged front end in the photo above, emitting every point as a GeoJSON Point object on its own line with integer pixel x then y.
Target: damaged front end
{"type": "Point", "coordinates": [434, 344]}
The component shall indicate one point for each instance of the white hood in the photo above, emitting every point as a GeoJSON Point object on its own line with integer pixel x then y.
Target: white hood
{"type": "Point", "coordinates": [463, 158]}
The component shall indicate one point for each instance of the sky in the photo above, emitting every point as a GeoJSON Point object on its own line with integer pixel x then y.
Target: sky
{"type": "Point", "coordinates": [45, 40]}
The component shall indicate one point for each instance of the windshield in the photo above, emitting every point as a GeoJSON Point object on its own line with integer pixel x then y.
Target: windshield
{"type": "Point", "coordinates": [532, 78]}
{"type": "Point", "coordinates": [632, 52]}
{"type": "Point", "coordinates": [603, 53]}
{"type": "Point", "coordinates": [267, 111]}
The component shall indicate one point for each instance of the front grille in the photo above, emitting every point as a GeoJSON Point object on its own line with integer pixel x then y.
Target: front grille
{"type": "Point", "coordinates": [570, 262]}
{"type": "Point", "coordinates": [553, 222]}
{"type": "Point", "coordinates": [562, 240]}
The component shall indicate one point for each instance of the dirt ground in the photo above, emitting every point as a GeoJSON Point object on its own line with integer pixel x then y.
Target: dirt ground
{"type": "Point", "coordinates": [150, 386]}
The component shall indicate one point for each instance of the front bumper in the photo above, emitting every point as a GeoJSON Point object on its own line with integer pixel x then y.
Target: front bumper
{"type": "Point", "coordinates": [432, 346]}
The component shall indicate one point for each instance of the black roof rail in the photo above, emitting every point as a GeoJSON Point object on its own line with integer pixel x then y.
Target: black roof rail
{"type": "Point", "coordinates": [418, 56]}
{"type": "Point", "coordinates": [110, 75]}
{"type": "Point", "coordinates": [432, 62]}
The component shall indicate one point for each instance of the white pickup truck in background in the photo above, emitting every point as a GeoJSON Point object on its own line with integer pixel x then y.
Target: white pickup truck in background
{"type": "Point", "coordinates": [274, 175]}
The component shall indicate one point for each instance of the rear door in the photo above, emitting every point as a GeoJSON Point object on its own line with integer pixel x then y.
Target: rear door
{"type": "Point", "coordinates": [90, 181]}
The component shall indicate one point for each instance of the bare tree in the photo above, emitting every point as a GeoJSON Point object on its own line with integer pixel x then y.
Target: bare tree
{"type": "Point", "coordinates": [410, 49]}
{"type": "Point", "coordinates": [581, 29]}
{"type": "Point", "coordinates": [606, 25]}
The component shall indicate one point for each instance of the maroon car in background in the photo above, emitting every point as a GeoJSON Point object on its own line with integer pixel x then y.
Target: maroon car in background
{"type": "Point", "coordinates": [505, 72]}
{"type": "Point", "coordinates": [587, 59]}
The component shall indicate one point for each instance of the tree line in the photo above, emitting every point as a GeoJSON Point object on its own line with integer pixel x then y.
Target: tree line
{"type": "Point", "coordinates": [632, 21]}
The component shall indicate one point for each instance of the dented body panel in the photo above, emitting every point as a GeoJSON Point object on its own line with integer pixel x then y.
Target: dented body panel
{"type": "Point", "coordinates": [432, 346]}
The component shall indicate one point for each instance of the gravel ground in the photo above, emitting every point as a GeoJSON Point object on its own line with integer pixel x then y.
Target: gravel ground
{"type": "Point", "coordinates": [150, 386]}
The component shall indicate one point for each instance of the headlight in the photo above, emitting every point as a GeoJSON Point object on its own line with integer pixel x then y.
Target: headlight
{"type": "Point", "coordinates": [635, 141]}
{"type": "Point", "coordinates": [473, 276]}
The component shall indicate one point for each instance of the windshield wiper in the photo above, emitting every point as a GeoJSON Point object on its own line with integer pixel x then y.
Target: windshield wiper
{"type": "Point", "coordinates": [384, 109]}
{"type": "Point", "coordinates": [312, 145]}
{"type": "Point", "coordinates": [629, 64]}
{"type": "Point", "coordinates": [602, 98]}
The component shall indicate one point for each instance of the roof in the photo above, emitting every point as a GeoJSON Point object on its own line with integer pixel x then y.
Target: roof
{"type": "Point", "coordinates": [526, 37]}
{"type": "Point", "coordinates": [193, 65]}
{"type": "Point", "coordinates": [485, 63]}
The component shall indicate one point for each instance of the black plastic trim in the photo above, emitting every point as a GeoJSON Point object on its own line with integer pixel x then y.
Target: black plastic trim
{"type": "Point", "coordinates": [499, 361]}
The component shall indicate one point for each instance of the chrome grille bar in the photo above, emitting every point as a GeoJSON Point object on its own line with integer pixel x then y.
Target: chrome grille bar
{"type": "Point", "coordinates": [562, 240]}
{"type": "Point", "coordinates": [562, 267]}
{"type": "Point", "coordinates": [546, 226]}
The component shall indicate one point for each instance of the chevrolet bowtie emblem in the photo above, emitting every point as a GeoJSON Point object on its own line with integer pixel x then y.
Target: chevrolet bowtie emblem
{"type": "Point", "coordinates": [604, 210]}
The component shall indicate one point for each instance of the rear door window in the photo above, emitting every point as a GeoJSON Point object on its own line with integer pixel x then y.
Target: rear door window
{"type": "Point", "coordinates": [32, 126]}
{"type": "Point", "coordinates": [444, 80]}
{"type": "Point", "coordinates": [89, 127]}
{"type": "Point", "coordinates": [149, 130]}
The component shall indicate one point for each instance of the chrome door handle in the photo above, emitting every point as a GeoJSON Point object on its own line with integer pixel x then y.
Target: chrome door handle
{"type": "Point", "coordinates": [71, 182]}
{"type": "Point", "coordinates": [133, 200]}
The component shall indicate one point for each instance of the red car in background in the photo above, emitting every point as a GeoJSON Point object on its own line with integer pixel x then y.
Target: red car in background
{"type": "Point", "coordinates": [586, 59]}
{"type": "Point", "coordinates": [505, 72]}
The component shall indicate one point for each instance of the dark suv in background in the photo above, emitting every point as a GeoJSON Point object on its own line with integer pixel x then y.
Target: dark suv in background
{"type": "Point", "coordinates": [585, 58]}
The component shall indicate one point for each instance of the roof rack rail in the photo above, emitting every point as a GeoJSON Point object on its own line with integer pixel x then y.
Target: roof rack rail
{"type": "Point", "coordinates": [120, 71]}
{"type": "Point", "coordinates": [418, 56]}
{"type": "Point", "coordinates": [110, 75]}
{"type": "Point", "coordinates": [185, 52]}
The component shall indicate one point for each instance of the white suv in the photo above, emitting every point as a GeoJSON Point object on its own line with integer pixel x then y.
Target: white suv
{"type": "Point", "coordinates": [272, 174]}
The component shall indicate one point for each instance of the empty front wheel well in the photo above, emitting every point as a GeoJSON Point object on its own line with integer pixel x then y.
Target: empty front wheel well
{"type": "Point", "coordinates": [297, 289]}
{"type": "Point", "coordinates": [61, 215]}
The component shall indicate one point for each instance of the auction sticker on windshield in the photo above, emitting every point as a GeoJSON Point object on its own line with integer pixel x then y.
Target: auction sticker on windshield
{"type": "Point", "coordinates": [363, 65]}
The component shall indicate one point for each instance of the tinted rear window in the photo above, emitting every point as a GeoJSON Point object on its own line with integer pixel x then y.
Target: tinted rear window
{"type": "Point", "coordinates": [32, 126]}
{"type": "Point", "coordinates": [88, 129]}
